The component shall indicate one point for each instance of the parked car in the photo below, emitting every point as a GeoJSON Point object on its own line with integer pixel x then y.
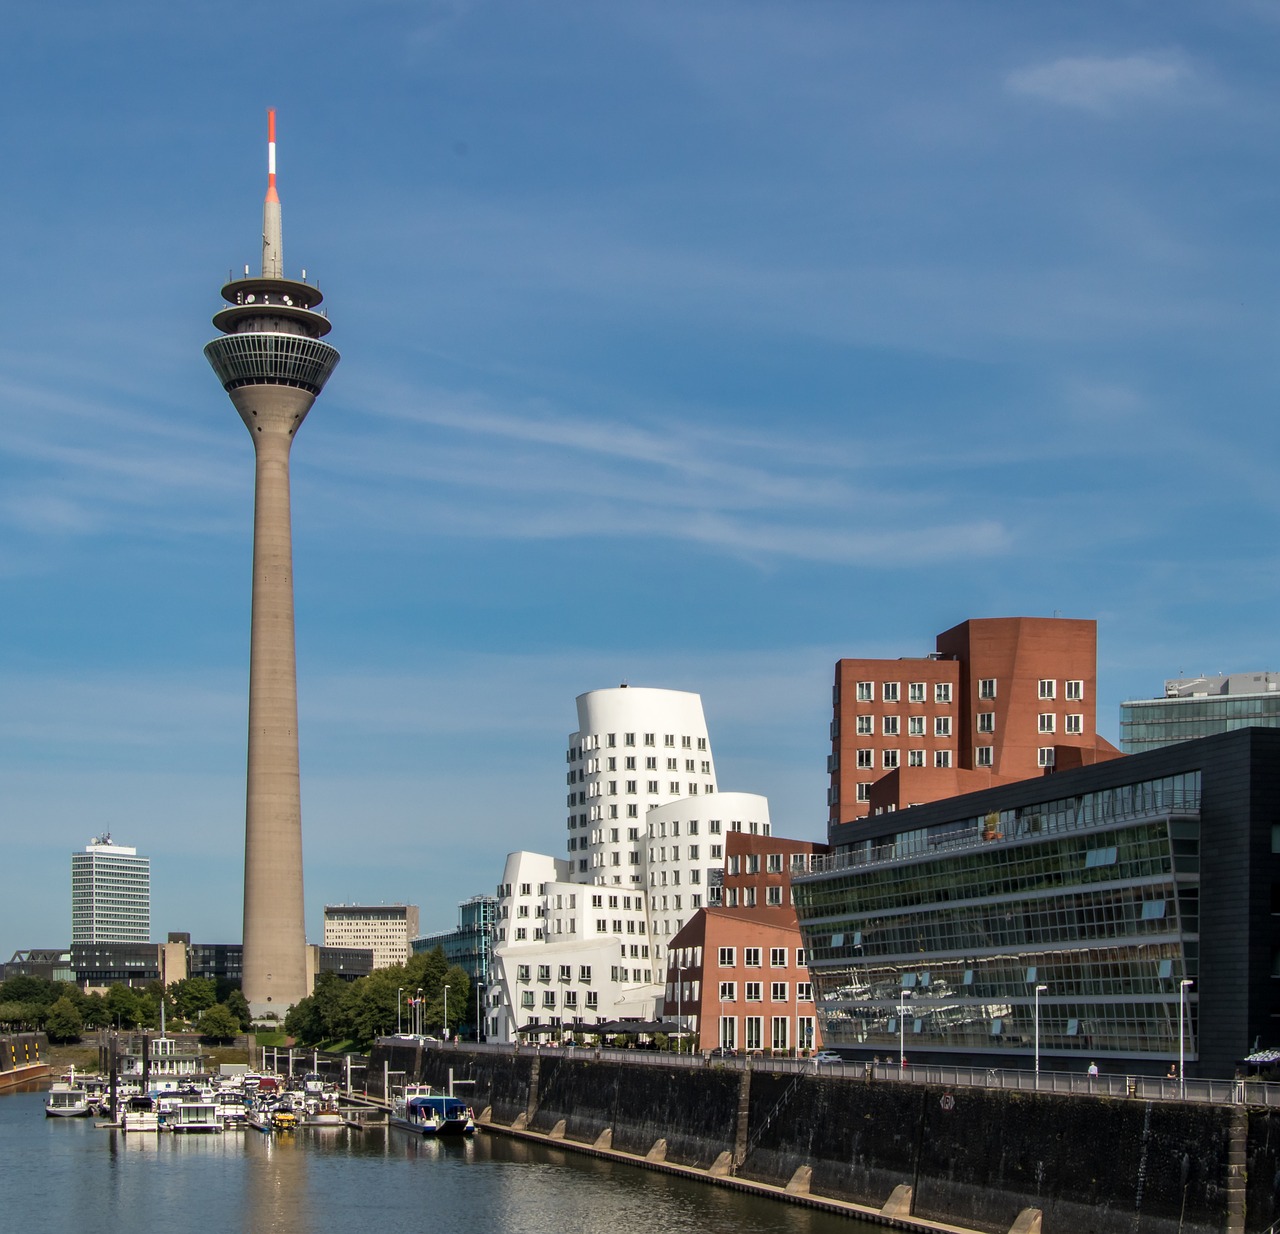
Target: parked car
{"type": "Point", "coordinates": [824, 1058]}
{"type": "Point", "coordinates": [724, 1051]}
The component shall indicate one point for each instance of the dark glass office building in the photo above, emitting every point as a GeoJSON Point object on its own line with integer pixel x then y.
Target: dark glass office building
{"type": "Point", "coordinates": [1092, 894]}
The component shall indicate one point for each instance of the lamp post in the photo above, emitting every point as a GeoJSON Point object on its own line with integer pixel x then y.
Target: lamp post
{"type": "Point", "coordinates": [446, 1013]}
{"type": "Point", "coordinates": [1040, 989]}
{"type": "Point", "coordinates": [902, 1032]}
{"type": "Point", "coordinates": [1183, 986]}
{"type": "Point", "coordinates": [478, 987]}
{"type": "Point", "coordinates": [399, 991]}
{"type": "Point", "coordinates": [418, 1009]}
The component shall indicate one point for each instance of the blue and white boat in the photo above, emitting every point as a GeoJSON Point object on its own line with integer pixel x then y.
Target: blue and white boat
{"type": "Point", "coordinates": [424, 1112]}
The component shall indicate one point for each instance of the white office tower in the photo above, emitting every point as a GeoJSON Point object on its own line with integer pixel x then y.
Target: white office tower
{"type": "Point", "coordinates": [110, 894]}
{"type": "Point", "coordinates": [582, 940]}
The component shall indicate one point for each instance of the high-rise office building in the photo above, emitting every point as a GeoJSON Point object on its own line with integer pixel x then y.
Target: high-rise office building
{"type": "Point", "coordinates": [1194, 707]}
{"type": "Point", "coordinates": [273, 362]}
{"type": "Point", "coordinates": [999, 700]}
{"type": "Point", "coordinates": [110, 894]}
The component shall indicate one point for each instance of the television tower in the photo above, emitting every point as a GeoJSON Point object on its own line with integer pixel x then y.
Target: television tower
{"type": "Point", "coordinates": [272, 363]}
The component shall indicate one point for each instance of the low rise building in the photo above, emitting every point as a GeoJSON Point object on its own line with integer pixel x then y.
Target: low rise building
{"type": "Point", "coordinates": [736, 973]}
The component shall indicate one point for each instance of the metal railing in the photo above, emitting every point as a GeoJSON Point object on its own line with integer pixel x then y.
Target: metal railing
{"type": "Point", "coordinates": [1063, 1083]}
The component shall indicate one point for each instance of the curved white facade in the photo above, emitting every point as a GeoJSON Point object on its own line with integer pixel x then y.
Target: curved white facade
{"type": "Point", "coordinates": [584, 938]}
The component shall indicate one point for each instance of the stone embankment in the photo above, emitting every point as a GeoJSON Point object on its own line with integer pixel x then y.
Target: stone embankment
{"type": "Point", "coordinates": [21, 1058]}
{"type": "Point", "coordinates": [912, 1155]}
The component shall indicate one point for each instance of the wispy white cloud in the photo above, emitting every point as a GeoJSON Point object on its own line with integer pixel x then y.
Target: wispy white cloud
{"type": "Point", "coordinates": [1102, 83]}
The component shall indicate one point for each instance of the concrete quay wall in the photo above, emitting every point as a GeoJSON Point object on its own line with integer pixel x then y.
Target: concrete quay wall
{"type": "Point", "coordinates": [976, 1158]}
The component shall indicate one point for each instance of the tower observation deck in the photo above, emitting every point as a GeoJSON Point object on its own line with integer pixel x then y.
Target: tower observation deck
{"type": "Point", "coordinates": [272, 361]}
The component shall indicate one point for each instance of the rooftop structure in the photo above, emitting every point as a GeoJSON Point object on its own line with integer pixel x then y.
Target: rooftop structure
{"type": "Point", "coordinates": [273, 362]}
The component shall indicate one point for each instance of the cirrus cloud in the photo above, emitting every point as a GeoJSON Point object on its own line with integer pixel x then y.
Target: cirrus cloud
{"type": "Point", "coordinates": [1100, 83]}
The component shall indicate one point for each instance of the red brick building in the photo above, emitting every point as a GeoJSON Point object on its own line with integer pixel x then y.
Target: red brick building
{"type": "Point", "coordinates": [1001, 699]}
{"type": "Point", "coordinates": [736, 973]}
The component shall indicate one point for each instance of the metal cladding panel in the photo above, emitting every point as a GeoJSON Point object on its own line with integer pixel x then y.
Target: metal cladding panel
{"type": "Point", "coordinates": [272, 359]}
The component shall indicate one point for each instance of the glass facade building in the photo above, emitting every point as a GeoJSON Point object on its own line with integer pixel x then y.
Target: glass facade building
{"type": "Point", "coordinates": [470, 946]}
{"type": "Point", "coordinates": [1149, 723]}
{"type": "Point", "coordinates": [1102, 889]}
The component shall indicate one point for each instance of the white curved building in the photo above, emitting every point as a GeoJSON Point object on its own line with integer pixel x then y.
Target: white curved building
{"type": "Point", "coordinates": [584, 938]}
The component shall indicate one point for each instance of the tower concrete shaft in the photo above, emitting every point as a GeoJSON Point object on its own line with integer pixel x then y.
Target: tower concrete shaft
{"type": "Point", "coordinates": [273, 363]}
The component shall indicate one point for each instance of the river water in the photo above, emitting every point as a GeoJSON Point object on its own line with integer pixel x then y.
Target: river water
{"type": "Point", "coordinates": [65, 1176]}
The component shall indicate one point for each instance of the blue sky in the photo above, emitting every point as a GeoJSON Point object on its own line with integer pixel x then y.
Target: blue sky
{"type": "Point", "coordinates": [689, 344]}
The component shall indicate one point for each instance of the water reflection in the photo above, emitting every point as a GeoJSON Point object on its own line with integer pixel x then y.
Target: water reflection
{"type": "Point", "coordinates": [63, 1174]}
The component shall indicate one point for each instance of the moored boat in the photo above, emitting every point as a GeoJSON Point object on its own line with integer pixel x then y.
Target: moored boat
{"type": "Point", "coordinates": [428, 1113]}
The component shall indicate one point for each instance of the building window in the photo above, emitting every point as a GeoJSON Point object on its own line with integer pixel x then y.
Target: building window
{"type": "Point", "coordinates": [942, 692]}
{"type": "Point", "coordinates": [773, 897]}
{"type": "Point", "coordinates": [1048, 688]}
{"type": "Point", "coordinates": [866, 725]}
{"type": "Point", "coordinates": [777, 957]}
{"type": "Point", "coordinates": [889, 759]}
{"type": "Point", "coordinates": [863, 792]}
{"type": "Point", "coordinates": [891, 726]}
{"type": "Point", "coordinates": [942, 726]}
{"type": "Point", "coordinates": [942, 758]}
{"type": "Point", "coordinates": [778, 992]}
{"type": "Point", "coordinates": [526, 998]}
{"type": "Point", "coordinates": [890, 691]}
{"type": "Point", "coordinates": [986, 721]}
{"type": "Point", "coordinates": [987, 687]}
{"type": "Point", "coordinates": [754, 1032]}
{"type": "Point", "coordinates": [584, 974]}
{"type": "Point", "coordinates": [751, 957]}
{"type": "Point", "coordinates": [753, 992]}
{"type": "Point", "coordinates": [984, 756]}
{"type": "Point", "coordinates": [728, 991]}
{"type": "Point", "coordinates": [866, 758]}
{"type": "Point", "coordinates": [915, 692]}
{"type": "Point", "coordinates": [866, 692]}
{"type": "Point", "coordinates": [915, 726]}
{"type": "Point", "coordinates": [1075, 690]}
{"type": "Point", "coordinates": [804, 991]}
{"type": "Point", "coordinates": [915, 758]}
{"type": "Point", "coordinates": [726, 958]}
{"type": "Point", "coordinates": [1074, 724]}
{"type": "Point", "coordinates": [780, 1026]}
{"type": "Point", "coordinates": [1047, 722]}
{"type": "Point", "coordinates": [1044, 756]}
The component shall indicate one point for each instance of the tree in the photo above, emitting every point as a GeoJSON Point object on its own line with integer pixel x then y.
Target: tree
{"type": "Point", "coordinates": [33, 990]}
{"type": "Point", "coordinates": [238, 1005]}
{"type": "Point", "coordinates": [219, 1024]}
{"type": "Point", "coordinates": [63, 1022]}
{"type": "Point", "coordinates": [16, 1015]}
{"type": "Point", "coordinates": [122, 1006]}
{"type": "Point", "coordinates": [193, 995]}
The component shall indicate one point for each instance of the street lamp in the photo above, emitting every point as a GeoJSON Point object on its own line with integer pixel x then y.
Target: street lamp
{"type": "Point", "coordinates": [418, 1008]}
{"type": "Point", "coordinates": [399, 991]}
{"type": "Point", "coordinates": [902, 1031]}
{"type": "Point", "coordinates": [446, 1013]}
{"type": "Point", "coordinates": [1040, 989]}
{"type": "Point", "coordinates": [1183, 986]}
